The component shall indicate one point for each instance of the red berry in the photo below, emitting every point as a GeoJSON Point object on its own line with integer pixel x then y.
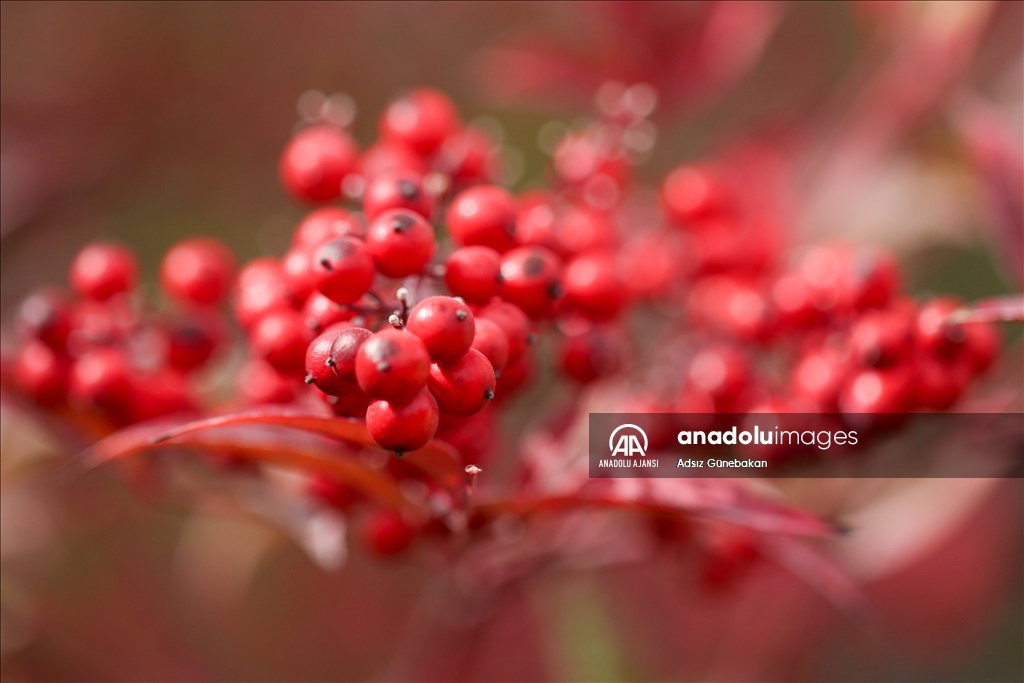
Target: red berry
{"type": "Point", "coordinates": [474, 273]}
{"type": "Point", "coordinates": [352, 404]}
{"type": "Point", "coordinates": [386, 533]}
{"type": "Point", "coordinates": [330, 491]}
{"type": "Point", "coordinates": [319, 366]}
{"type": "Point", "coordinates": [397, 189]}
{"type": "Point", "coordinates": [387, 156]}
{"type": "Point", "coordinates": [320, 312]}
{"type": "Point", "coordinates": [881, 338]}
{"type": "Point", "coordinates": [40, 374]}
{"type": "Point", "coordinates": [192, 340]}
{"type": "Point", "coordinates": [982, 345]}
{"type": "Point", "coordinates": [513, 377]}
{"type": "Point", "coordinates": [160, 392]}
{"type": "Point", "coordinates": [403, 427]}
{"type": "Point", "coordinates": [445, 325]}
{"type": "Point", "coordinates": [819, 377]}
{"type": "Point", "coordinates": [422, 119]}
{"type": "Point", "coordinates": [513, 322]}
{"type": "Point", "coordinates": [297, 266]}
{"type": "Point", "coordinates": [343, 269]}
{"type": "Point", "coordinates": [721, 371]}
{"type": "Point", "coordinates": [102, 379]}
{"type": "Point", "coordinates": [692, 193]}
{"type": "Point", "coordinates": [598, 352]}
{"type": "Point", "coordinates": [259, 383]}
{"type": "Point", "coordinates": [536, 222]}
{"type": "Point", "coordinates": [793, 302]}
{"type": "Point", "coordinates": [878, 391]}
{"type": "Point", "coordinates": [315, 162]}
{"type": "Point", "coordinates": [491, 341]}
{"type": "Point", "coordinates": [932, 333]}
{"type": "Point", "coordinates": [102, 270]}
{"type": "Point", "coordinates": [261, 288]}
{"type": "Point", "coordinates": [484, 215]}
{"type": "Point", "coordinates": [939, 383]}
{"type": "Point", "coordinates": [469, 156]}
{"type": "Point", "coordinates": [464, 387]}
{"type": "Point", "coordinates": [530, 280]}
{"type": "Point", "coordinates": [197, 271]}
{"type": "Point", "coordinates": [874, 279]}
{"type": "Point", "coordinates": [401, 242]}
{"type": "Point", "coordinates": [322, 224]}
{"type": "Point", "coordinates": [45, 315]}
{"type": "Point", "coordinates": [579, 229]}
{"type": "Point", "coordinates": [392, 365]}
{"type": "Point", "coordinates": [281, 338]}
{"type": "Point", "coordinates": [592, 286]}
{"type": "Point", "coordinates": [344, 351]}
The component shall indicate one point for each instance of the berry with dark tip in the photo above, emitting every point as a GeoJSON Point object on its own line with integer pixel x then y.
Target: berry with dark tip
{"type": "Point", "coordinates": [422, 119]}
{"type": "Point", "coordinates": [197, 271]}
{"type": "Point", "coordinates": [530, 280]}
{"type": "Point", "coordinates": [464, 387]}
{"type": "Point", "coordinates": [401, 242]}
{"type": "Point", "coordinates": [102, 379]}
{"type": "Point", "coordinates": [192, 340]}
{"type": "Point", "coordinates": [397, 189]}
{"type": "Point", "coordinates": [392, 365]}
{"type": "Point", "coordinates": [344, 350]}
{"type": "Point", "coordinates": [343, 269]}
{"type": "Point", "coordinates": [445, 325]}
{"type": "Point", "coordinates": [102, 270]}
{"type": "Point", "coordinates": [315, 162]}
{"type": "Point", "coordinates": [319, 366]}
{"type": "Point", "coordinates": [474, 273]}
{"type": "Point", "coordinates": [483, 216]}
{"type": "Point", "coordinates": [881, 338]}
{"type": "Point", "coordinates": [405, 426]}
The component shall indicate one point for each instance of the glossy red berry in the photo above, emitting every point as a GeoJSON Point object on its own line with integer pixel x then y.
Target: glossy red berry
{"type": "Point", "coordinates": [982, 345]}
{"type": "Point", "coordinates": [491, 341]}
{"type": "Point", "coordinates": [40, 373]}
{"type": "Point", "coordinates": [403, 427]}
{"type": "Point", "coordinates": [873, 279]}
{"type": "Point", "coordinates": [322, 224]}
{"type": "Point", "coordinates": [386, 156]}
{"type": "Point", "coordinates": [513, 322]}
{"type": "Point", "coordinates": [197, 271]}
{"type": "Point", "coordinates": [469, 156]}
{"type": "Point", "coordinates": [878, 391]}
{"type": "Point", "coordinates": [595, 353]}
{"type": "Point", "coordinates": [192, 340]}
{"type": "Point", "coordinates": [320, 312]}
{"type": "Point", "coordinates": [530, 280]}
{"type": "Point", "coordinates": [401, 242]}
{"type": "Point", "coordinates": [580, 229]}
{"type": "Point", "coordinates": [102, 379]}
{"type": "Point", "coordinates": [819, 376]}
{"type": "Point", "coordinates": [721, 371]}
{"type": "Point", "coordinates": [343, 269]}
{"type": "Point", "coordinates": [159, 392]}
{"type": "Point", "coordinates": [259, 383]}
{"type": "Point", "coordinates": [445, 325]}
{"type": "Point", "coordinates": [593, 287]}
{"type": "Point", "coordinates": [474, 273]}
{"type": "Point", "coordinates": [422, 119]}
{"type": "Point", "coordinates": [693, 193]}
{"type": "Point", "coordinates": [392, 365]}
{"type": "Point", "coordinates": [45, 315]}
{"type": "Point", "coordinates": [281, 338]}
{"type": "Point", "coordinates": [464, 387]}
{"type": "Point", "coordinates": [352, 404]}
{"type": "Point", "coordinates": [297, 266]}
{"type": "Point", "coordinates": [513, 377]}
{"type": "Point", "coordinates": [397, 189]}
{"type": "Point", "coordinates": [319, 366]}
{"type": "Point", "coordinates": [261, 287]}
{"type": "Point", "coordinates": [332, 492]}
{"type": "Point", "coordinates": [344, 350]}
{"type": "Point", "coordinates": [386, 533]}
{"type": "Point", "coordinates": [939, 383]}
{"type": "Point", "coordinates": [881, 338]}
{"type": "Point", "coordinates": [535, 224]}
{"type": "Point", "coordinates": [102, 270]}
{"type": "Point", "coordinates": [484, 215]}
{"type": "Point", "coordinates": [315, 162]}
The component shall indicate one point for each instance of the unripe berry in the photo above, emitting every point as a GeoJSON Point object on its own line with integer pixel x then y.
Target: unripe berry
{"type": "Point", "coordinates": [513, 322]}
{"type": "Point", "coordinates": [386, 533]}
{"type": "Point", "coordinates": [281, 338]}
{"type": "Point", "coordinates": [344, 351]}
{"type": "Point", "coordinates": [491, 341]}
{"type": "Point", "coordinates": [197, 271]}
{"type": "Point", "coordinates": [401, 242]}
{"type": "Point", "coordinates": [259, 383]}
{"type": "Point", "coordinates": [392, 365]}
{"type": "Point", "coordinates": [474, 273]}
{"type": "Point", "coordinates": [319, 366]}
{"type": "Point", "coordinates": [403, 427]}
{"type": "Point", "coordinates": [45, 315]}
{"type": "Point", "coordinates": [464, 387]}
{"type": "Point", "coordinates": [319, 312]}
{"type": "Point", "coordinates": [484, 215]}
{"type": "Point", "coordinates": [40, 374]}
{"type": "Point", "coordinates": [315, 162]}
{"type": "Point", "coordinates": [422, 119]}
{"type": "Point", "coordinates": [261, 287]}
{"type": "Point", "coordinates": [322, 224]}
{"type": "Point", "coordinates": [592, 286]}
{"type": "Point", "coordinates": [343, 269]}
{"type": "Point", "coordinates": [530, 280]}
{"type": "Point", "coordinates": [101, 379]}
{"type": "Point", "coordinates": [445, 325]}
{"type": "Point", "coordinates": [102, 270]}
{"type": "Point", "coordinates": [397, 189]}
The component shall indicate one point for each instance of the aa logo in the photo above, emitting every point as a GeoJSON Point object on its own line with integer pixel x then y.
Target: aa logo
{"type": "Point", "coordinates": [627, 444]}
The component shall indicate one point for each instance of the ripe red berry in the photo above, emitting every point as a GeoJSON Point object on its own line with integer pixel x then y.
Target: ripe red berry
{"type": "Point", "coordinates": [403, 427]}
{"type": "Point", "coordinates": [513, 322]}
{"type": "Point", "coordinates": [536, 222]}
{"type": "Point", "coordinates": [320, 367]}
{"type": "Point", "coordinates": [939, 383]}
{"type": "Point", "coordinates": [982, 345]}
{"type": "Point", "coordinates": [259, 383]}
{"type": "Point", "coordinates": [320, 312]}
{"type": "Point", "coordinates": [793, 303]}
{"type": "Point", "coordinates": [386, 156]}
{"type": "Point", "coordinates": [163, 391]}
{"type": "Point", "coordinates": [45, 315]}
{"type": "Point", "coordinates": [445, 325]}
{"type": "Point", "coordinates": [513, 377]}
{"type": "Point", "coordinates": [315, 162]}
{"type": "Point", "coordinates": [40, 374]}
{"type": "Point", "coordinates": [102, 270]}
{"type": "Point", "coordinates": [343, 269]}
{"type": "Point", "coordinates": [192, 340]}
{"type": "Point", "coordinates": [392, 365]}
{"type": "Point", "coordinates": [261, 287]}
{"type": "Point", "coordinates": [474, 273]}
{"type": "Point", "coordinates": [484, 215]}
{"type": "Point", "coordinates": [878, 391]}
{"type": "Point", "coordinates": [693, 193]}
{"type": "Point", "coordinates": [491, 341]}
{"type": "Point", "coordinates": [932, 333]}
{"type": "Point", "coordinates": [721, 371]}
{"type": "Point", "coordinates": [598, 352]}
{"type": "Point", "coordinates": [873, 279]}
{"type": "Point", "coordinates": [297, 266]}
{"type": "Point", "coordinates": [581, 229]}
{"type": "Point", "coordinates": [881, 338]}
{"type": "Point", "coordinates": [344, 351]}
{"type": "Point", "coordinates": [819, 376]}
{"type": "Point", "coordinates": [464, 387]}
{"type": "Point", "coordinates": [281, 338]}
{"type": "Point", "coordinates": [593, 287]}
{"type": "Point", "coordinates": [401, 242]}
{"type": "Point", "coordinates": [352, 404]}
{"type": "Point", "coordinates": [386, 533]}
{"type": "Point", "coordinates": [422, 119]}
{"type": "Point", "coordinates": [197, 271]}
{"type": "Point", "coordinates": [322, 224]}
{"type": "Point", "coordinates": [469, 156]}
{"type": "Point", "coordinates": [530, 280]}
{"type": "Point", "coordinates": [330, 491]}
{"type": "Point", "coordinates": [102, 379]}
{"type": "Point", "coordinates": [397, 189]}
